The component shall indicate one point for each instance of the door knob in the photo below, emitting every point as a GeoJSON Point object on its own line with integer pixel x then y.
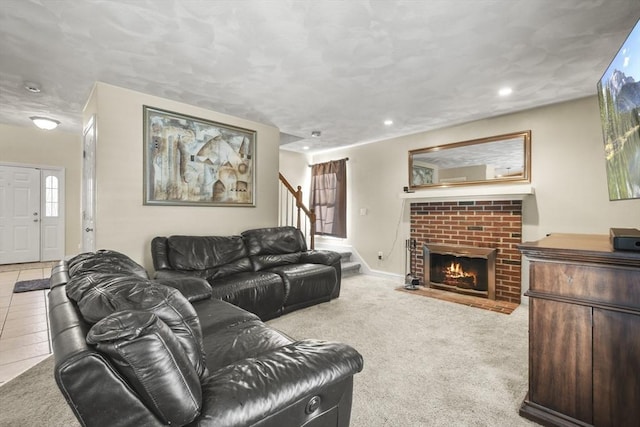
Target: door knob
{"type": "Point", "coordinates": [88, 229]}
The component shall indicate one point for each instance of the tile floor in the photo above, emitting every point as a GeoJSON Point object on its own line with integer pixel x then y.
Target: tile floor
{"type": "Point", "coordinates": [24, 325]}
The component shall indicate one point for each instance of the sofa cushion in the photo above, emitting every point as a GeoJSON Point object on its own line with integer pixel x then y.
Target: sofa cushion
{"type": "Point", "coordinates": [306, 284]}
{"type": "Point", "coordinates": [112, 293]}
{"type": "Point", "coordinates": [263, 262]}
{"type": "Point", "coordinates": [204, 252]}
{"type": "Point", "coordinates": [274, 241]}
{"type": "Point", "coordinates": [271, 247]}
{"type": "Point", "coordinates": [105, 261]}
{"type": "Point", "coordinates": [259, 292]}
{"type": "Point", "coordinates": [193, 288]}
{"type": "Point", "coordinates": [83, 284]}
{"type": "Point", "coordinates": [242, 265]}
{"type": "Point", "coordinates": [149, 356]}
{"type": "Point", "coordinates": [235, 394]}
{"type": "Point", "coordinates": [241, 340]}
{"type": "Point", "coordinates": [215, 314]}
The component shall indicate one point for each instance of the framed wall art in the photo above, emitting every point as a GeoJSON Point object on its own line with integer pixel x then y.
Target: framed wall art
{"type": "Point", "coordinates": [195, 162]}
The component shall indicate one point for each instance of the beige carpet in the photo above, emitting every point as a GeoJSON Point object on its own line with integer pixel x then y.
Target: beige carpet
{"type": "Point", "coordinates": [427, 362]}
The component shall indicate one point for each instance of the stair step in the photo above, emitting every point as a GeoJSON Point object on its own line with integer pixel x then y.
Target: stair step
{"type": "Point", "coordinates": [350, 267]}
{"type": "Point", "coordinates": [345, 256]}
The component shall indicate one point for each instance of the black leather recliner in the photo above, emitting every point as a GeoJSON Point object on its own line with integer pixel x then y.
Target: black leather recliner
{"type": "Point", "coordinates": [267, 271]}
{"type": "Point", "coordinates": [130, 351]}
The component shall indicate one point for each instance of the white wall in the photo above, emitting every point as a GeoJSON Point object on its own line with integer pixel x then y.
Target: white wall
{"type": "Point", "coordinates": [123, 223]}
{"type": "Point", "coordinates": [33, 146]}
{"type": "Point", "coordinates": [568, 174]}
{"type": "Point", "coordinates": [294, 167]}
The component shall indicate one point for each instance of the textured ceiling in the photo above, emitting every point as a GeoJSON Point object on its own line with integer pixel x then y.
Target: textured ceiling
{"type": "Point", "coordinates": [339, 66]}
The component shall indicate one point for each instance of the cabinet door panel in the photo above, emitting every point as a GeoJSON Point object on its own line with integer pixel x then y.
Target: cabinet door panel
{"type": "Point", "coordinates": [616, 368]}
{"type": "Point", "coordinates": [560, 358]}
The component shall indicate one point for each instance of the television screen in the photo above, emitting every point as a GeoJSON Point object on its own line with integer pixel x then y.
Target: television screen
{"type": "Point", "coordinates": [619, 100]}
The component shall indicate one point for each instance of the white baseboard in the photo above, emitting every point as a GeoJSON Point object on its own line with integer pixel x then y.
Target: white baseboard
{"type": "Point", "coordinates": [355, 256]}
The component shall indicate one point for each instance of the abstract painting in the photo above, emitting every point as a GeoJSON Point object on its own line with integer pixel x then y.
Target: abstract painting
{"type": "Point", "coordinates": [196, 162]}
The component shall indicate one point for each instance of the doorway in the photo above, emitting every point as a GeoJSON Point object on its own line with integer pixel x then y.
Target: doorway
{"type": "Point", "coordinates": [32, 218]}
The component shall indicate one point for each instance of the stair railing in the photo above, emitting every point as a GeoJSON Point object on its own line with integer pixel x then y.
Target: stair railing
{"type": "Point", "coordinates": [293, 211]}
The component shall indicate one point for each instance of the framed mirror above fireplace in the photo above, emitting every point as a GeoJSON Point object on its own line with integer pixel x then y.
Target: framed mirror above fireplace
{"type": "Point", "coordinates": [496, 159]}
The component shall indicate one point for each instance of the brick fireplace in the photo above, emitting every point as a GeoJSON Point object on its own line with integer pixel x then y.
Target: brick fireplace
{"type": "Point", "coordinates": [494, 225]}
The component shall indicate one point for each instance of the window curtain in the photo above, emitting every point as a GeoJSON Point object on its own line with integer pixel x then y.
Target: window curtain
{"type": "Point", "coordinates": [329, 197]}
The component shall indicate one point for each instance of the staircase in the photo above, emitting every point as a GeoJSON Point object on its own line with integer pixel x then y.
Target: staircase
{"type": "Point", "coordinates": [349, 267]}
{"type": "Point", "coordinates": [292, 211]}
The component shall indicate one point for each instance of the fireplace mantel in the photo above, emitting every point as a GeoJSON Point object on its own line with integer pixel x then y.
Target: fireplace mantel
{"type": "Point", "coordinates": [480, 192]}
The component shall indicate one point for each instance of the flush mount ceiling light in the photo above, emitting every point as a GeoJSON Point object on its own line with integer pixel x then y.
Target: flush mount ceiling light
{"type": "Point", "coordinates": [388, 122]}
{"type": "Point", "coordinates": [505, 91]}
{"type": "Point", "coordinates": [316, 133]}
{"type": "Point", "coordinates": [44, 122]}
{"type": "Point", "coordinates": [32, 87]}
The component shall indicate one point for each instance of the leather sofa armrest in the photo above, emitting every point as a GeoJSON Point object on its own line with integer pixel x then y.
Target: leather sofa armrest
{"type": "Point", "coordinates": [330, 258]}
{"type": "Point", "coordinates": [320, 257]}
{"type": "Point", "coordinates": [59, 274]}
{"type": "Point", "coordinates": [85, 377]}
{"type": "Point", "coordinates": [256, 389]}
{"type": "Point", "coordinates": [160, 253]}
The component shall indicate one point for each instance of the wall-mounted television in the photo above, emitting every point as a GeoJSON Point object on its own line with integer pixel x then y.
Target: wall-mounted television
{"type": "Point", "coordinates": [619, 99]}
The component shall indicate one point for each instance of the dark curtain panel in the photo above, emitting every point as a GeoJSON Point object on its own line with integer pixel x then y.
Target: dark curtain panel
{"type": "Point", "coordinates": [329, 197]}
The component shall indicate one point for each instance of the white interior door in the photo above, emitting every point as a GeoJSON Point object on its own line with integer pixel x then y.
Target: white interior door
{"type": "Point", "coordinates": [89, 187]}
{"type": "Point", "coordinates": [19, 214]}
{"type": "Point", "coordinates": [52, 215]}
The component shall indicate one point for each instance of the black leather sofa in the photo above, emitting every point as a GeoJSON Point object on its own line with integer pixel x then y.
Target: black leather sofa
{"type": "Point", "coordinates": [267, 271]}
{"type": "Point", "coordinates": [130, 351]}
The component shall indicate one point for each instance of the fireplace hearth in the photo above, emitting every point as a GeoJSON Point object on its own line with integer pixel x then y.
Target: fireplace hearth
{"type": "Point", "coordinates": [467, 270]}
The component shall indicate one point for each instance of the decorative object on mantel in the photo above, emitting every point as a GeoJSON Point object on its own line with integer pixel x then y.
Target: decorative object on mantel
{"type": "Point", "coordinates": [195, 162]}
{"type": "Point", "coordinates": [495, 159]}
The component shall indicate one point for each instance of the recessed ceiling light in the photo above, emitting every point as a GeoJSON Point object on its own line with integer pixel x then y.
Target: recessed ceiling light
{"type": "Point", "coordinates": [44, 122]}
{"type": "Point", "coordinates": [505, 91]}
{"type": "Point", "coordinates": [306, 147]}
{"type": "Point", "coordinates": [32, 87]}
{"type": "Point", "coordinates": [316, 133]}
{"type": "Point", "coordinates": [388, 122]}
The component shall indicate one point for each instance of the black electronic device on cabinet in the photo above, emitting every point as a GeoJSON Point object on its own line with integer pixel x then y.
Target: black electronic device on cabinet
{"type": "Point", "coordinates": [625, 239]}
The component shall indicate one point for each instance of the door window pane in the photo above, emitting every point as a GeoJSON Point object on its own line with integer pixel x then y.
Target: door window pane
{"type": "Point", "coordinates": [51, 196]}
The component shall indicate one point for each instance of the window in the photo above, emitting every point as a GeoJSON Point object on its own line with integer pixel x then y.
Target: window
{"type": "Point", "coordinates": [51, 203]}
{"type": "Point", "coordinates": [329, 197]}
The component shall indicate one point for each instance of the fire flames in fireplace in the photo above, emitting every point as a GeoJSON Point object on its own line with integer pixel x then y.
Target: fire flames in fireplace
{"type": "Point", "coordinates": [463, 269]}
{"type": "Point", "coordinates": [456, 276]}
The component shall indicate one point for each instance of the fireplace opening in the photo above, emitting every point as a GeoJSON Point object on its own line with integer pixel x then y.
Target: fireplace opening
{"type": "Point", "coordinates": [463, 269]}
{"type": "Point", "coordinates": [462, 272]}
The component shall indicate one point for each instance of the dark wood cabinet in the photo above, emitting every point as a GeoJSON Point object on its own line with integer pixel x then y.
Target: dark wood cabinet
{"type": "Point", "coordinates": [584, 332]}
